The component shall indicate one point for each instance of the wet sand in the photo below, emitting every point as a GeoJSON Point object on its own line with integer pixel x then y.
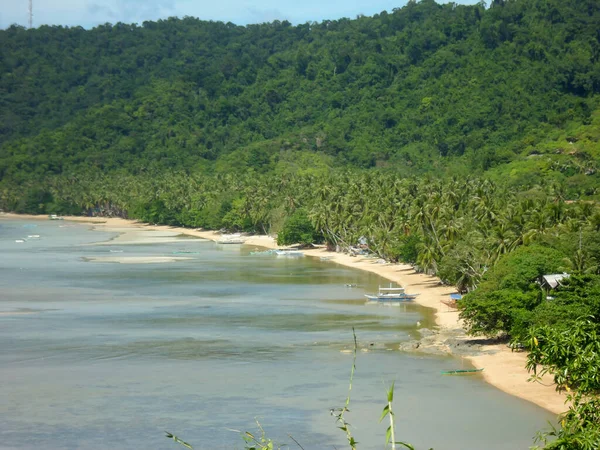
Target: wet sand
{"type": "Point", "coordinates": [135, 259]}
{"type": "Point", "coordinates": [16, 313]}
{"type": "Point", "coordinates": [503, 368]}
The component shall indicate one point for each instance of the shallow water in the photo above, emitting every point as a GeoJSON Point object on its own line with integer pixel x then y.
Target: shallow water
{"type": "Point", "coordinates": [111, 355]}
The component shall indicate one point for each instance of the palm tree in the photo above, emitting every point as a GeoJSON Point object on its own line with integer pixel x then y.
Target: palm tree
{"type": "Point", "coordinates": [428, 257]}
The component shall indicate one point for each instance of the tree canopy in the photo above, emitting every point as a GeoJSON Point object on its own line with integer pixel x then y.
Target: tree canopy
{"type": "Point", "coordinates": [424, 88]}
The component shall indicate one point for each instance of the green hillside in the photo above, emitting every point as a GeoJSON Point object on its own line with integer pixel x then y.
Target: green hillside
{"type": "Point", "coordinates": [414, 90]}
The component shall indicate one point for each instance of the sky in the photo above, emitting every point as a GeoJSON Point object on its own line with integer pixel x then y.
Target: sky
{"type": "Point", "coordinates": [88, 13]}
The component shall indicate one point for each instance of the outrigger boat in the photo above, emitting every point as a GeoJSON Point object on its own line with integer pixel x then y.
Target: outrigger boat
{"type": "Point", "coordinates": [391, 294]}
{"type": "Point", "coordinates": [289, 253]}
{"type": "Point", "coordinates": [231, 239]}
{"type": "Point", "coordinates": [461, 371]}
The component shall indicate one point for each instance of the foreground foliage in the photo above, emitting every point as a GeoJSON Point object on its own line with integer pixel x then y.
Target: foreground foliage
{"type": "Point", "coordinates": [572, 356]}
{"type": "Point", "coordinates": [561, 333]}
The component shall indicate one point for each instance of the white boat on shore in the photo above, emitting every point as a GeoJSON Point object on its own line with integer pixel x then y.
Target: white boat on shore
{"type": "Point", "coordinates": [391, 294]}
{"type": "Point", "coordinates": [231, 239]}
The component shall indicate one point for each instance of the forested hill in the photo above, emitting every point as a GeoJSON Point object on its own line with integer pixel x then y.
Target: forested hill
{"type": "Point", "coordinates": [413, 89]}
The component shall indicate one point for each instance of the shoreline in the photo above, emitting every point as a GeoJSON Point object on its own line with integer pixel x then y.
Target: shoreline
{"type": "Point", "coordinates": [503, 368]}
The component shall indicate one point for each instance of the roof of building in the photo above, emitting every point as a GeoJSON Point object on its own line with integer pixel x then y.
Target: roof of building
{"type": "Point", "coordinates": [553, 280]}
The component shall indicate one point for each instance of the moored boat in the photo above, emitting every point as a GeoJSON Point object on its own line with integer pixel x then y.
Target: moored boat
{"type": "Point", "coordinates": [461, 371]}
{"type": "Point", "coordinates": [291, 253]}
{"type": "Point", "coordinates": [391, 294]}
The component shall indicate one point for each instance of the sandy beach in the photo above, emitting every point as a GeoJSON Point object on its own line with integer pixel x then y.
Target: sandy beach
{"type": "Point", "coordinates": [503, 368]}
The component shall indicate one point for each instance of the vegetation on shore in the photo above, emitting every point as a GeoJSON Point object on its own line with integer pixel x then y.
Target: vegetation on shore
{"type": "Point", "coordinates": [559, 328]}
{"type": "Point", "coordinates": [464, 140]}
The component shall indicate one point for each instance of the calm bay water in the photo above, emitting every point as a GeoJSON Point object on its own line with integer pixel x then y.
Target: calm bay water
{"type": "Point", "coordinates": [110, 355]}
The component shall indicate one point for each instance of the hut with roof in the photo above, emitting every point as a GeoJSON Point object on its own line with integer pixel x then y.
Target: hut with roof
{"type": "Point", "coordinates": [551, 282]}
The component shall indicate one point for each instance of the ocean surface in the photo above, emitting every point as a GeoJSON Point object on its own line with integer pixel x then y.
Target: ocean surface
{"type": "Point", "coordinates": [101, 355]}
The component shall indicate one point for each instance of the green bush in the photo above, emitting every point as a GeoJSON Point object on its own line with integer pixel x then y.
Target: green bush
{"type": "Point", "coordinates": [497, 312]}
{"type": "Point", "coordinates": [297, 229]}
{"type": "Point", "coordinates": [509, 292]}
{"type": "Point", "coordinates": [406, 249]}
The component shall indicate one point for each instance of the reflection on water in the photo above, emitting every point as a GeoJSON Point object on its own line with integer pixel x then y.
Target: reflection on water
{"type": "Point", "coordinates": [111, 355]}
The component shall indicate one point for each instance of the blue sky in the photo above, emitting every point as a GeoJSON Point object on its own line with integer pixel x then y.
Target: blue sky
{"type": "Point", "coordinates": [89, 13]}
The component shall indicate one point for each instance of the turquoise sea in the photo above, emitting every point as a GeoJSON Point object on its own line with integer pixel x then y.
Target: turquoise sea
{"type": "Point", "coordinates": [108, 356]}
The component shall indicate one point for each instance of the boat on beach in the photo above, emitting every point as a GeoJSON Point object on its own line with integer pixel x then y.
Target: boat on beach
{"type": "Point", "coordinates": [231, 239]}
{"type": "Point", "coordinates": [452, 302]}
{"type": "Point", "coordinates": [391, 294]}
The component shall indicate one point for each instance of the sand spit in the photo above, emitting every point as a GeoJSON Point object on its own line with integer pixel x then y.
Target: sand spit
{"type": "Point", "coordinates": [503, 368]}
{"type": "Point", "coordinates": [17, 313]}
{"type": "Point", "coordinates": [135, 259]}
{"type": "Point", "coordinates": [132, 236]}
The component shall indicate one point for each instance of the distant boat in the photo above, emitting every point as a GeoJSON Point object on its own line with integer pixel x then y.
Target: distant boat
{"type": "Point", "coordinates": [461, 371]}
{"type": "Point", "coordinates": [34, 236]}
{"type": "Point", "coordinates": [290, 253]}
{"type": "Point", "coordinates": [55, 217]}
{"type": "Point", "coordinates": [231, 239]}
{"type": "Point", "coordinates": [265, 252]}
{"type": "Point", "coordinates": [391, 294]}
{"type": "Point", "coordinates": [19, 241]}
